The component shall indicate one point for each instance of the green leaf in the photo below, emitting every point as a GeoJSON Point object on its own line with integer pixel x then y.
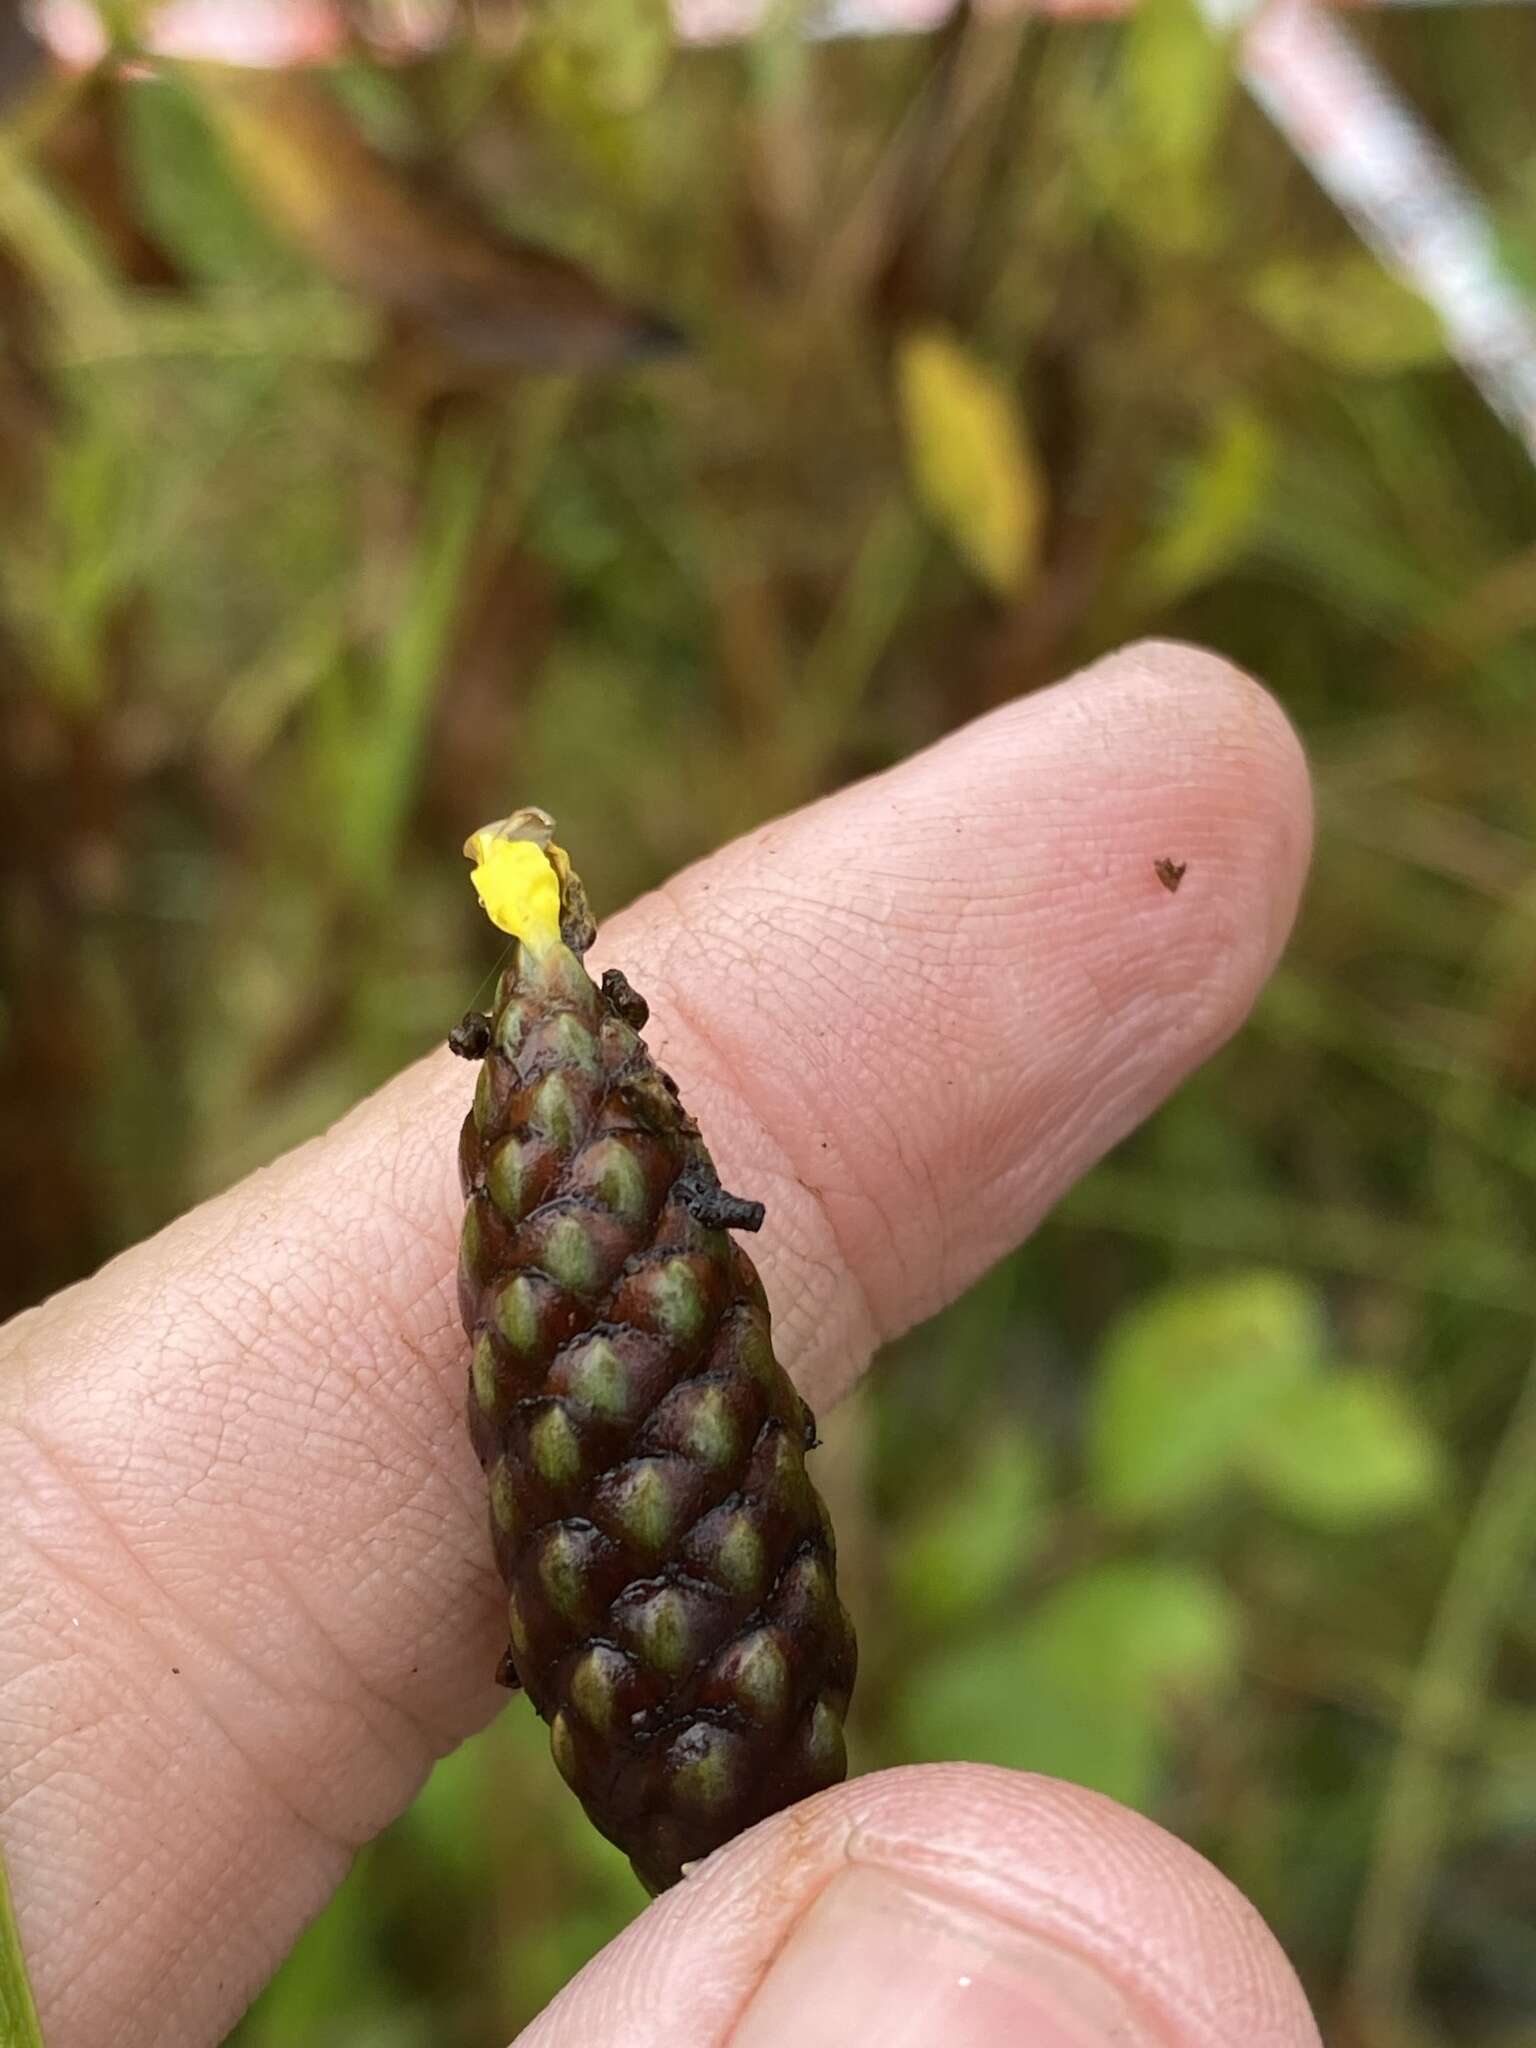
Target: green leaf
{"type": "Point", "coordinates": [1182, 1381]}
{"type": "Point", "coordinates": [379, 764]}
{"type": "Point", "coordinates": [95, 519]}
{"type": "Point", "coordinates": [1517, 251]}
{"type": "Point", "coordinates": [185, 190]}
{"type": "Point", "coordinates": [1177, 76]}
{"type": "Point", "coordinates": [1094, 1687]}
{"type": "Point", "coordinates": [617, 50]}
{"type": "Point", "coordinates": [960, 1553]}
{"type": "Point", "coordinates": [1215, 506]}
{"type": "Point", "coordinates": [1345, 1452]}
{"type": "Point", "coordinates": [1350, 313]}
{"type": "Point", "coordinates": [971, 462]}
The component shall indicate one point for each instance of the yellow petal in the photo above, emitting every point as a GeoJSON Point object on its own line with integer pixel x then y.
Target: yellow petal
{"type": "Point", "coordinates": [518, 889]}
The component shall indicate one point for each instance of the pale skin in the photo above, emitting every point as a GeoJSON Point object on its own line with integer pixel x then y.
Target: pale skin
{"type": "Point", "coordinates": [245, 1592]}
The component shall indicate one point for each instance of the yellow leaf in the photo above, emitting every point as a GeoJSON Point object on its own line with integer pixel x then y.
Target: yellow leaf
{"type": "Point", "coordinates": [971, 461]}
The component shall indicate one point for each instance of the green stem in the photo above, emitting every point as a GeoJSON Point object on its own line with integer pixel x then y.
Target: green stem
{"type": "Point", "coordinates": [19, 2026]}
{"type": "Point", "coordinates": [1446, 1702]}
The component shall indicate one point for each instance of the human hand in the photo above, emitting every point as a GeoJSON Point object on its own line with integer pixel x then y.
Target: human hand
{"type": "Point", "coordinates": [248, 1594]}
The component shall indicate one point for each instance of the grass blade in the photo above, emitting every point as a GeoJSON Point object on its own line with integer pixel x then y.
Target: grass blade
{"type": "Point", "coordinates": [19, 2024]}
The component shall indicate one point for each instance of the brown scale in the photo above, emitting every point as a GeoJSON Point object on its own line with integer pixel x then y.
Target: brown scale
{"type": "Point", "coordinates": [672, 1606]}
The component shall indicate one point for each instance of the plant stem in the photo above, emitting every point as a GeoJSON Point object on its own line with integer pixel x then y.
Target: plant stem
{"type": "Point", "coordinates": [1445, 1702]}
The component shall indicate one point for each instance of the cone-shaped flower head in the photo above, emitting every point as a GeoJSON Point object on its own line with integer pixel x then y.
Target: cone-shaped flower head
{"type": "Point", "coordinates": [672, 1607]}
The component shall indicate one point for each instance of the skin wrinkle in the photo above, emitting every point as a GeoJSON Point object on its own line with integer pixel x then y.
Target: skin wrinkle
{"type": "Point", "coordinates": [353, 1312]}
{"type": "Point", "coordinates": [423, 1740]}
{"type": "Point", "coordinates": [800, 1116]}
{"type": "Point", "coordinates": [49, 1738]}
{"type": "Point", "coordinates": [926, 1223]}
{"type": "Point", "coordinates": [127, 1882]}
{"type": "Point", "coordinates": [196, 1631]}
{"type": "Point", "coordinates": [330, 1870]}
{"type": "Point", "coordinates": [356, 1404]}
{"type": "Point", "coordinates": [242, 1398]}
{"type": "Point", "coordinates": [353, 1397]}
{"type": "Point", "coordinates": [385, 1731]}
{"type": "Point", "coordinates": [932, 1223]}
{"type": "Point", "coordinates": [813, 1159]}
{"type": "Point", "coordinates": [1075, 1128]}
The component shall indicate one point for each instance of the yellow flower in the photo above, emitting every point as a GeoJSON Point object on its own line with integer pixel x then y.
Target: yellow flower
{"type": "Point", "coordinates": [517, 885]}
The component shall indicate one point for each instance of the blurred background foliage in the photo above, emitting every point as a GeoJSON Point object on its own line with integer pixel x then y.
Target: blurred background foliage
{"type": "Point", "coordinates": [336, 517]}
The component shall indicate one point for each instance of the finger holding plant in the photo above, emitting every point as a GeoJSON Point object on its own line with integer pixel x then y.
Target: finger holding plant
{"type": "Point", "coordinates": [249, 1596]}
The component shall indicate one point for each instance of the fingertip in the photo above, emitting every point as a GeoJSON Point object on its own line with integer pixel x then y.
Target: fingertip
{"type": "Point", "coordinates": [1202, 834]}
{"type": "Point", "coordinates": [969, 1902]}
{"type": "Point", "coordinates": [1253, 765]}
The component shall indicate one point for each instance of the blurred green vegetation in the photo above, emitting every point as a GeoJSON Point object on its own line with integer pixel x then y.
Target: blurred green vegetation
{"type": "Point", "coordinates": [1004, 346]}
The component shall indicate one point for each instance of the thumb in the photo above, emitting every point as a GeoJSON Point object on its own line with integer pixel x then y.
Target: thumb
{"type": "Point", "coordinates": [938, 1906]}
